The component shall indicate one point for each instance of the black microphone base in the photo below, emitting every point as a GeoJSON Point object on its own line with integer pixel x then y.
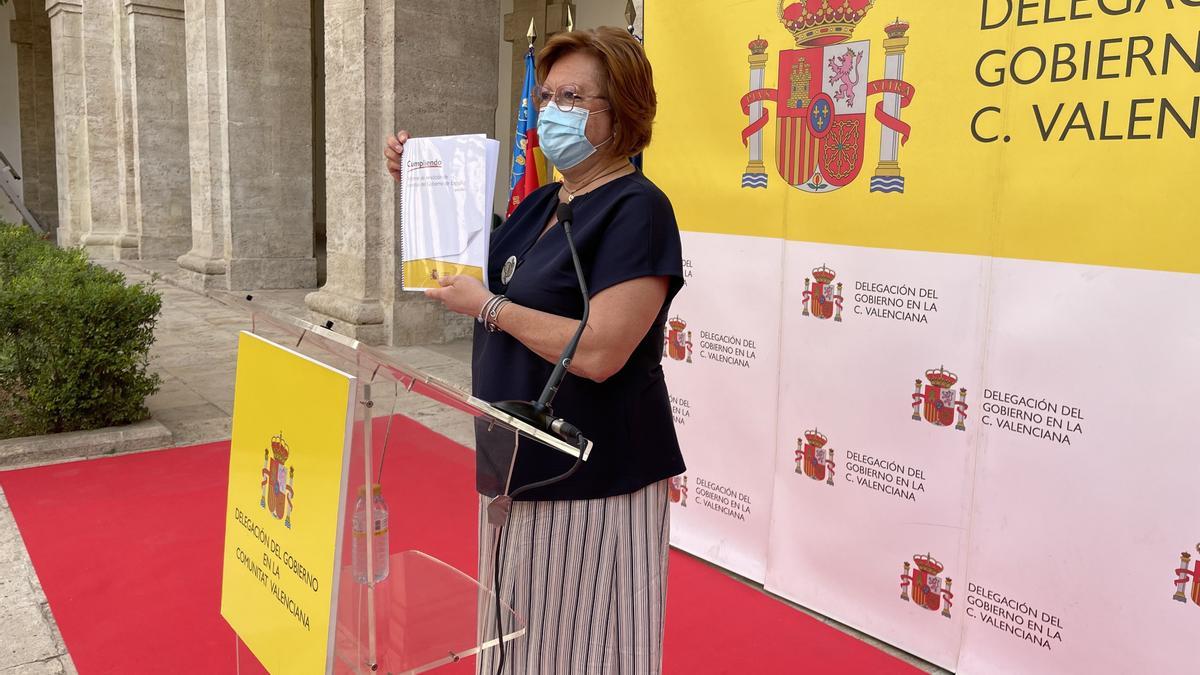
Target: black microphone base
{"type": "Point", "coordinates": [542, 419]}
{"type": "Point", "coordinates": [527, 412]}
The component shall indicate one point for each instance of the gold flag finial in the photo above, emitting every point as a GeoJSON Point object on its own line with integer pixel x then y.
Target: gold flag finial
{"type": "Point", "coordinates": [630, 14]}
{"type": "Point", "coordinates": [570, 20]}
{"type": "Point", "coordinates": [531, 33]}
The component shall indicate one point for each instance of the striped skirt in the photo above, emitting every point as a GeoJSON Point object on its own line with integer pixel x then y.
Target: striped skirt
{"type": "Point", "coordinates": [589, 577]}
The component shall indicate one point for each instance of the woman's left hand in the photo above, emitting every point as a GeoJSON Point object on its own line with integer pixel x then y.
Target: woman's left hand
{"type": "Point", "coordinates": [461, 294]}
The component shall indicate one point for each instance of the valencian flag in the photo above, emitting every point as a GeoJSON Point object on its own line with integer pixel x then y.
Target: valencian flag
{"type": "Point", "coordinates": [528, 172]}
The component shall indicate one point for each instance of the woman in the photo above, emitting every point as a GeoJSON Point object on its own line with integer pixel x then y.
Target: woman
{"type": "Point", "coordinates": [584, 560]}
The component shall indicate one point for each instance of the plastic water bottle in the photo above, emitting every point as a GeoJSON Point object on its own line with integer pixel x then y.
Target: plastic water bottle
{"type": "Point", "coordinates": [378, 543]}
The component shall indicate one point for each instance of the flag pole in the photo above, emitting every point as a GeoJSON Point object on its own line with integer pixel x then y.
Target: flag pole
{"type": "Point", "coordinates": [630, 18]}
{"type": "Point", "coordinates": [527, 174]}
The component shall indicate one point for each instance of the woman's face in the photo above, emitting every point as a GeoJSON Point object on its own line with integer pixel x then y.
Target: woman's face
{"type": "Point", "coordinates": [584, 72]}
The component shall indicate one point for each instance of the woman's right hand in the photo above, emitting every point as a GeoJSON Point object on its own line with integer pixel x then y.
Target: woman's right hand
{"type": "Point", "coordinates": [393, 150]}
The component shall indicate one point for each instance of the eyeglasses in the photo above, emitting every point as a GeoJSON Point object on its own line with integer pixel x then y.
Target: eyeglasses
{"type": "Point", "coordinates": [565, 97]}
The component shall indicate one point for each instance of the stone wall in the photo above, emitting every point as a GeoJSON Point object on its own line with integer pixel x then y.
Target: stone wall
{"type": "Point", "coordinates": [27, 88]}
{"type": "Point", "coordinates": [159, 218]}
{"type": "Point", "coordinates": [29, 31]}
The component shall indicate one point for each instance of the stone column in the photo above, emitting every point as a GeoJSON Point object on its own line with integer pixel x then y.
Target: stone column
{"type": "Point", "coordinates": [102, 100]}
{"type": "Point", "coordinates": [207, 149]}
{"type": "Point", "coordinates": [125, 244]}
{"type": "Point", "coordinates": [159, 220]}
{"type": "Point", "coordinates": [360, 196]}
{"type": "Point", "coordinates": [30, 31]}
{"type": "Point", "coordinates": [70, 130]}
{"type": "Point", "coordinates": [389, 65]}
{"type": "Point", "coordinates": [90, 134]}
{"type": "Point", "coordinates": [249, 80]}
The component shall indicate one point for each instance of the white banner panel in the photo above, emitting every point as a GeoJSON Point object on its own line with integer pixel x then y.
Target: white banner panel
{"type": "Point", "coordinates": [876, 428]}
{"type": "Point", "coordinates": [721, 368]}
{"type": "Point", "coordinates": [1088, 468]}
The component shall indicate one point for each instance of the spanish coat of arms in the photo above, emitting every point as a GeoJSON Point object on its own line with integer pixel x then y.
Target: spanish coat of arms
{"type": "Point", "coordinates": [813, 459]}
{"type": "Point", "coordinates": [678, 340]}
{"type": "Point", "coordinates": [821, 100]}
{"type": "Point", "coordinates": [927, 588]}
{"type": "Point", "coordinates": [822, 297]}
{"type": "Point", "coordinates": [277, 481]}
{"type": "Point", "coordinates": [938, 403]}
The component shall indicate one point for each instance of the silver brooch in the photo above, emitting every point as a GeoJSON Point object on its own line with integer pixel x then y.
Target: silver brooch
{"type": "Point", "coordinates": [510, 268]}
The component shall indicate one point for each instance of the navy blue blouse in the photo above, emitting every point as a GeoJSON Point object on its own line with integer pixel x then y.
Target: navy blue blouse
{"type": "Point", "coordinates": [623, 230]}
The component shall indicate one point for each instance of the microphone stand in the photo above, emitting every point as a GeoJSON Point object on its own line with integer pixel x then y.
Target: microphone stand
{"type": "Point", "coordinates": [539, 414]}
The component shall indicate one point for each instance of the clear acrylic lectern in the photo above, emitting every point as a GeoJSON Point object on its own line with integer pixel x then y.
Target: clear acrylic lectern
{"type": "Point", "coordinates": [424, 613]}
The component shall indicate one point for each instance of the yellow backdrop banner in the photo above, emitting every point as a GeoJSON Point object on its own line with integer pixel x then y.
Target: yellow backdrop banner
{"type": "Point", "coordinates": [1049, 130]}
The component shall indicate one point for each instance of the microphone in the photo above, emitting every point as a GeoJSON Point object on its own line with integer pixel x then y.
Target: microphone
{"type": "Point", "coordinates": [539, 413]}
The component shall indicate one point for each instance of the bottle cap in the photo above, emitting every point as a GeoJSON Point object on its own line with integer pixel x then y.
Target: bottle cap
{"type": "Point", "coordinates": [376, 490]}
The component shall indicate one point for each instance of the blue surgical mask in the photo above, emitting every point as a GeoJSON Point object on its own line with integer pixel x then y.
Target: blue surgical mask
{"type": "Point", "coordinates": [561, 135]}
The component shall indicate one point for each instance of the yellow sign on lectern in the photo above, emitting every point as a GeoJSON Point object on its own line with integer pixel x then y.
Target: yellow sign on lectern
{"type": "Point", "coordinates": [288, 463]}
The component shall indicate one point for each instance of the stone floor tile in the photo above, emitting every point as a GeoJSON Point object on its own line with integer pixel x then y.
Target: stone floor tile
{"type": "Point", "coordinates": [12, 549]}
{"type": "Point", "coordinates": [188, 413]}
{"type": "Point", "coordinates": [14, 584]}
{"type": "Point", "coordinates": [25, 637]}
{"type": "Point", "coordinates": [51, 666]}
{"type": "Point", "coordinates": [179, 396]}
{"type": "Point", "coordinates": [228, 320]}
{"type": "Point", "coordinates": [215, 383]}
{"type": "Point", "coordinates": [224, 404]}
{"type": "Point", "coordinates": [202, 368]}
{"type": "Point", "coordinates": [459, 350]}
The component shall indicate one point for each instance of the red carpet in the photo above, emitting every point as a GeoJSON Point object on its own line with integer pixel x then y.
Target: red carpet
{"type": "Point", "coordinates": [128, 550]}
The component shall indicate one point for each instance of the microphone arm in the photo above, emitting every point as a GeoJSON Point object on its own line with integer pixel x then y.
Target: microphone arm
{"type": "Point", "coordinates": [539, 413]}
{"type": "Point", "coordinates": [565, 216]}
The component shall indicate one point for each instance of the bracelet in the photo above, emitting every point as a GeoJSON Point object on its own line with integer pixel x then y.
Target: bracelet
{"type": "Point", "coordinates": [483, 309]}
{"type": "Point", "coordinates": [494, 314]}
{"type": "Point", "coordinates": [487, 306]}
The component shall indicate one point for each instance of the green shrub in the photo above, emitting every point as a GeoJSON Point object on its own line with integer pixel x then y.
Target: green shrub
{"type": "Point", "coordinates": [74, 340]}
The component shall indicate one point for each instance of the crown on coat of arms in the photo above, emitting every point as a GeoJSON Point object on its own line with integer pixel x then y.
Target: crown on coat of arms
{"type": "Point", "coordinates": [816, 438]}
{"type": "Point", "coordinates": [941, 377]}
{"type": "Point", "coordinates": [927, 564]}
{"type": "Point", "coordinates": [823, 22]}
{"type": "Point", "coordinates": [677, 324]}
{"type": "Point", "coordinates": [897, 28]}
{"type": "Point", "coordinates": [823, 274]}
{"type": "Point", "coordinates": [758, 46]}
{"type": "Point", "coordinates": [279, 448]}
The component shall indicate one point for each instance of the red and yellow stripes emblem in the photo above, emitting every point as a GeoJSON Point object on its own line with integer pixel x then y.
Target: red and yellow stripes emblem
{"type": "Point", "coordinates": [796, 151]}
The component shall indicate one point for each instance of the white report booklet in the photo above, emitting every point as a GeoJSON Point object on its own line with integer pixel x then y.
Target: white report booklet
{"type": "Point", "coordinates": [447, 188]}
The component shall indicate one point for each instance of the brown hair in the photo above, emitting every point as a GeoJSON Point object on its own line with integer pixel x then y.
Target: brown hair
{"type": "Point", "coordinates": [628, 81]}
